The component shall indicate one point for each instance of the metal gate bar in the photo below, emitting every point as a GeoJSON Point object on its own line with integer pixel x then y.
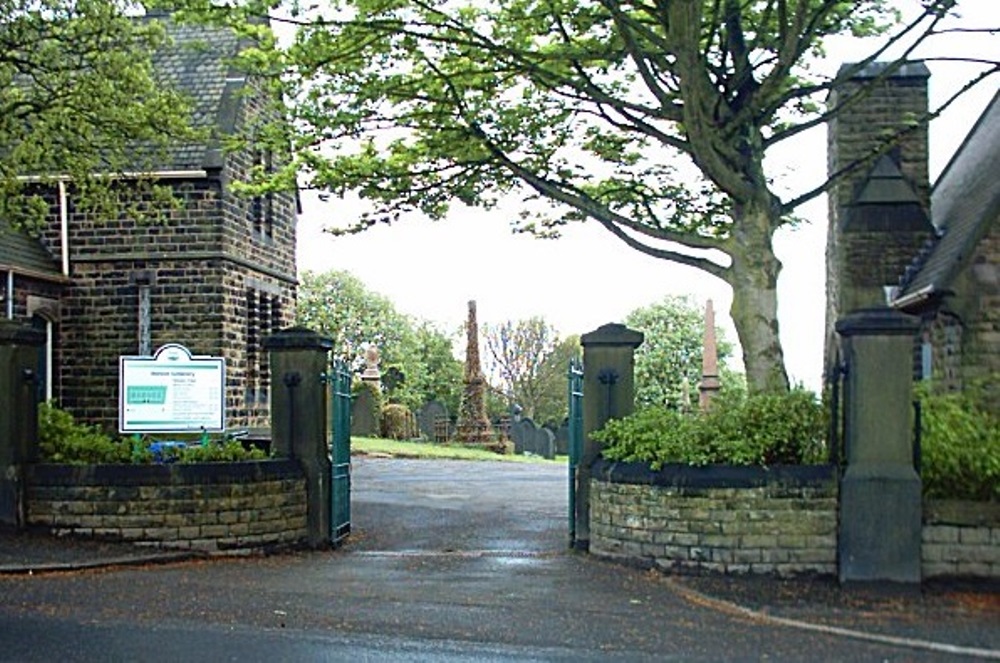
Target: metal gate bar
{"type": "Point", "coordinates": [340, 451]}
{"type": "Point", "coordinates": [575, 392]}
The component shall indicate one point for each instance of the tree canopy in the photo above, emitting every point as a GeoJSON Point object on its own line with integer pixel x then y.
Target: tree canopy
{"type": "Point", "coordinates": [651, 119]}
{"type": "Point", "coordinates": [341, 306]}
{"type": "Point", "coordinates": [78, 98]}
{"type": "Point", "coordinates": [526, 361]}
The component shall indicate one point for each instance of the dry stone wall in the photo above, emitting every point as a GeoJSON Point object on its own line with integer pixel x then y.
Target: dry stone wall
{"type": "Point", "coordinates": [211, 507]}
{"type": "Point", "coordinates": [961, 539]}
{"type": "Point", "coordinates": [780, 521]}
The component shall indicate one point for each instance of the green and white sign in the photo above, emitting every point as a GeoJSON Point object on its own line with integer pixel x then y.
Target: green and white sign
{"type": "Point", "coordinates": [171, 392]}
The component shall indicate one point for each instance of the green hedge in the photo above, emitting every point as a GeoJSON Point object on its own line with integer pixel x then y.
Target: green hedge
{"type": "Point", "coordinates": [756, 429]}
{"type": "Point", "coordinates": [960, 445]}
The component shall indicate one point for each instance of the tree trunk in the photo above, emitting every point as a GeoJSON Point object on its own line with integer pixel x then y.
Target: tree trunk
{"type": "Point", "coordinates": [753, 277]}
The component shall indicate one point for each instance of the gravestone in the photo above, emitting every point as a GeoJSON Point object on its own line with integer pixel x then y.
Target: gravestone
{"type": "Point", "coordinates": [427, 419]}
{"type": "Point", "coordinates": [364, 418]}
{"type": "Point", "coordinates": [562, 438]}
{"type": "Point", "coordinates": [530, 439]}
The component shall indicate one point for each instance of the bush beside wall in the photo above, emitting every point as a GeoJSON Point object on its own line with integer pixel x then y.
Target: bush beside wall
{"type": "Point", "coordinates": [207, 507]}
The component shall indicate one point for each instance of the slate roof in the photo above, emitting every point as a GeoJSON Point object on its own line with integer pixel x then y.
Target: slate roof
{"type": "Point", "coordinates": [197, 63]}
{"type": "Point", "coordinates": [26, 255]}
{"type": "Point", "coordinates": [964, 202]}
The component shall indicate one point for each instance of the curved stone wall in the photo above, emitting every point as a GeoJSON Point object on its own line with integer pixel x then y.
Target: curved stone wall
{"type": "Point", "coordinates": [211, 507]}
{"type": "Point", "coordinates": [780, 520]}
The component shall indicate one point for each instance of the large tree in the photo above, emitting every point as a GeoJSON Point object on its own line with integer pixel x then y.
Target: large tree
{"type": "Point", "coordinates": [650, 118]}
{"type": "Point", "coordinates": [522, 362]}
{"type": "Point", "coordinates": [339, 305]}
{"type": "Point", "coordinates": [79, 98]}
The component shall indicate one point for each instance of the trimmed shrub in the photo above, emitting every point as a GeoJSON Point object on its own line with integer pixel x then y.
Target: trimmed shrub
{"type": "Point", "coordinates": [960, 446]}
{"type": "Point", "coordinates": [62, 440]}
{"type": "Point", "coordinates": [739, 429]}
{"type": "Point", "coordinates": [398, 423]}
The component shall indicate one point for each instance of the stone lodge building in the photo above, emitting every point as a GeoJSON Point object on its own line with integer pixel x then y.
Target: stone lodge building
{"type": "Point", "coordinates": [216, 276]}
{"type": "Point", "coordinates": [929, 251]}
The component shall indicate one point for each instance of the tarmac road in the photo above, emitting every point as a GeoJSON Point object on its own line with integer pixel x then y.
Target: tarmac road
{"type": "Point", "coordinates": [447, 561]}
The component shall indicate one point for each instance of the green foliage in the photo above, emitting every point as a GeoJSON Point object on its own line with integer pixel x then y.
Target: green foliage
{"type": "Point", "coordinates": [398, 423]}
{"type": "Point", "coordinates": [62, 440]}
{"type": "Point", "coordinates": [216, 451]}
{"type": "Point", "coordinates": [79, 97]}
{"type": "Point", "coordinates": [668, 363]}
{"type": "Point", "coordinates": [338, 304]}
{"type": "Point", "coordinates": [755, 429]}
{"type": "Point", "coordinates": [960, 445]}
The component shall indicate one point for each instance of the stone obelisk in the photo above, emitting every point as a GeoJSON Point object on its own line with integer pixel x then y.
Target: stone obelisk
{"type": "Point", "coordinates": [709, 384]}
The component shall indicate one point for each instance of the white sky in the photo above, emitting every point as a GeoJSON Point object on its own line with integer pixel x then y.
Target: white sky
{"type": "Point", "coordinates": [430, 270]}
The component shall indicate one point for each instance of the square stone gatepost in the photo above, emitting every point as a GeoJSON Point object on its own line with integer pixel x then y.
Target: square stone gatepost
{"type": "Point", "coordinates": [299, 360]}
{"type": "Point", "coordinates": [880, 494]}
{"type": "Point", "coordinates": [19, 347]}
{"type": "Point", "coordinates": [608, 393]}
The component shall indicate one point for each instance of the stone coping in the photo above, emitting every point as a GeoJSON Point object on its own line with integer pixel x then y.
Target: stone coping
{"type": "Point", "coordinates": [713, 476]}
{"type": "Point", "coordinates": [963, 513]}
{"type": "Point", "coordinates": [46, 474]}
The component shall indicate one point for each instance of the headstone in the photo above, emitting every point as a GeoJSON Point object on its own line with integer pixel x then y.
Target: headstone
{"type": "Point", "coordinates": [520, 431]}
{"type": "Point", "coordinates": [428, 416]}
{"type": "Point", "coordinates": [562, 438]}
{"type": "Point", "coordinates": [530, 439]}
{"type": "Point", "coordinates": [542, 443]}
{"type": "Point", "coordinates": [364, 417]}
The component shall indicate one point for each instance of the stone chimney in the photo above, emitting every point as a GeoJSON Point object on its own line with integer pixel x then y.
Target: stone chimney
{"type": "Point", "coordinates": [879, 205]}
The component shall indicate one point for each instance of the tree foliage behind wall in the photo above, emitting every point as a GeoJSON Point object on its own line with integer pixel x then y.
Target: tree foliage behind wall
{"type": "Point", "coordinates": [339, 305]}
{"type": "Point", "coordinates": [79, 98]}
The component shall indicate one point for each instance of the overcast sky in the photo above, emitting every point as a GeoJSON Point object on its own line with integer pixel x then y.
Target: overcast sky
{"type": "Point", "coordinates": [430, 270]}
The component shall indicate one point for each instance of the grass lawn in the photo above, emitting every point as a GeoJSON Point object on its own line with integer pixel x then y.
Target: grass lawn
{"type": "Point", "coordinates": [406, 449]}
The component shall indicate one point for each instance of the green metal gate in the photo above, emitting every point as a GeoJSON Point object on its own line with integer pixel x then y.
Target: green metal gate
{"type": "Point", "coordinates": [340, 451]}
{"type": "Point", "coordinates": [575, 391]}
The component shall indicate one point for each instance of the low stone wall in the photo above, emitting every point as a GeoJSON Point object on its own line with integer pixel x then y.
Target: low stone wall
{"type": "Point", "coordinates": [207, 507]}
{"type": "Point", "coordinates": [961, 539]}
{"type": "Point", "coordinates": [780, 520]}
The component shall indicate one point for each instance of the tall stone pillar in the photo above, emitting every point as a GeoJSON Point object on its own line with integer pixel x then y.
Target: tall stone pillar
{"type": "Point", "coordinates": [299, 360]}
{"type": "Point", "coordinates": [608, 393]}
{"type": "Point", "coordinates": [18, 414]}
{"type": "Point", "coordinates": [880, 495]}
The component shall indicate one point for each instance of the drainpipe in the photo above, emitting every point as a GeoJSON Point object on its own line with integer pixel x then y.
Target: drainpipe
{"type": "Point", "coordinates": [63, 228]}
{"type": "Point", "coordinates": [10, 294]}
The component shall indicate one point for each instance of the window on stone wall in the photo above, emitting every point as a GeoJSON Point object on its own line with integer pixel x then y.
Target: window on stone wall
{"type": "Point", "coordinates": [253, 341]}
{"type": "Point", "coordinates": [263, 366]}
{"type": "Point", "coordinates": [262, 206]}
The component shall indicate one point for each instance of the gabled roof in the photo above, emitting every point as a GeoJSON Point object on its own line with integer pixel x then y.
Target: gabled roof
{"type": "Point", "coordinates": [965, 201]}
{"type": "Point", "coordinates": [23, 254]}
{"type": "Point", "coordinates": [197, 63]}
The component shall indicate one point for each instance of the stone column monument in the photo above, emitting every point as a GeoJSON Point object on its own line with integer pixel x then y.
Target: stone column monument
{"type": "Point", "coordinates": [880, 494]}
{"type": "Point", "coordinates": [709, 385]}
{"type": "Point", "coordinates": [608, 392]}
{"type": "Point", "coordinates": [473, 426]}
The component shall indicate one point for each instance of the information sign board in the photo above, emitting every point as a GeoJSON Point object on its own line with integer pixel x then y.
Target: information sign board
{"type": "Point", "coordinates": [171, 392]}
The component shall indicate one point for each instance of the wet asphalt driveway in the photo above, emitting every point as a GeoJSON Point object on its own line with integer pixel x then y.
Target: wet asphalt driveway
{"type": "Point", "coordinates": [447, 561]}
